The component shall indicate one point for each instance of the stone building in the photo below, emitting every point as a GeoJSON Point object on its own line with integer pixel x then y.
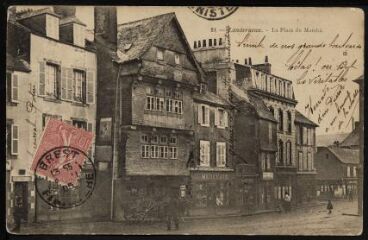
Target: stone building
{"type": "Point", "coordinates": [336, 172]}
{"type": "Point", "coordinates": [60, 83]}
{"type": "Point", "coordinates": [212, 174]}
{"type": "Point", "coordinates": [304, 154]}
{"type": "Point", "coordinates": [148, 76]}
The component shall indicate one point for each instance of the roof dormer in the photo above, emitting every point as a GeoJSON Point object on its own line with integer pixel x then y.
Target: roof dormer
{"type": "Point", "coordinates": [43, 21]}
{"type": "Point", "coordinates": [72, 30]}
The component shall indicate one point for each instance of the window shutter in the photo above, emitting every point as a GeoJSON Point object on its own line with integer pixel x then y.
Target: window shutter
{"type": "Point", "coordinates": [89, 127]}
{"type": "Point", "coordinates": [58, 82]}
{"type": "Point", "coordinates": [200, 114]}
{"type": "Point", "coordinates": [41, 85]}
{"type": "Point", "coordinates": [217, 117]}
{"type": "Point", "coordinates": [8, 86]}
{"type": "Point", "coordinates": [14, 139]}
{"type": "Point", "coordinates": [218, 154]}
{"type": "Point", "coordinates": [226, 119]}
{"type": "Point", "coordinates": [90, 87]}
{"type": "Point", "coordinates": [15, 85]}
{"type": "Point", "coordinates": [69, 77]}
{"type": "Point", "coordinates": [64, 83]}
{"type": "Point", "coordinates": [207, 109]}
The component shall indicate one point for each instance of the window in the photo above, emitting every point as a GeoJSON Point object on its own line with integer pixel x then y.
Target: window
{"type": "Point", "coordinates": [145, 151]}
{"type": "Point", "coordinates": [305, 135]}
{"type": "Point", "coordinates": [79, 86]}
{"type": "Point", "coordinates": [12, 87]}
{"type": "Point", "coordinates": [289, 123]}
{"type": "Point", "coordinates": [12, 137]}
{"type": "Point", "coordinates": [354, 171]}
{"type": "Point", "coordinates": [299, 135]}
{"type": "Point", "coordinates": [160, 54]}
{"type": "Point", "coordinates": [51, 80]}
{"type": "Point", "coordinates": [281, 152]}
{"type": "Point", "coordinates": [221, 119]}
{"type": "Point", "coordinates": [203, 115]}
{"type": "Point", "coordinates": [300, 161]}
{"type": "Point", "coordinates": [163, 139]}
{"type": "Point", "coordinates": [173, 152]}
{"type": "Point", "coordinates": [310, 161]}
{"type": "Point", "coordinates": [221, 154]}
{"type": "Point", "coordinates": [348, 171]}
{"type": "Point", "coordinates": [173, 140]}
{"type": "Point", "coordinates": [177, 59]}
{"type": "Point", "coordinates": [178, 106]}
{"type": "Point", "coordinates": [169, 105]}
{"type": "Point", "coordinates": [163, 151]}
{"type": "Point", "coordinates": [281, 120]}
{"type": "Point", "coordinates": [144, 138]}
{"type": "Point", "coordinates": [80, 124]}
{"type": "Point", "coordinates": [288, 153]}
{"type": "Point", "coordinates": [150, 103]}
{"type": "Point", "coordinates": [154, 151]}
{"type": "Point", "coordinates": [204, 153]}
{"type": "Point", "coordinates": [46, 117]}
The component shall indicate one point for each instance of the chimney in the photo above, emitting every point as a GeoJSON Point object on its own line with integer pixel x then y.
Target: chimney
{"type": "Point", "coordinates": [250, 61]}
{"type": "Point", "coordinates": [65, 11]}
{"type": "Point", "coordinates": [266, 59]}
{"type": "Point", "coordinates": [106, 23]}
{"type": "Point", "coordinates": [245, 61]}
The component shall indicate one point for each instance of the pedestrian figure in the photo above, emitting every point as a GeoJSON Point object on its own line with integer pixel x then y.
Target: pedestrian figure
{"type": "Point", "coordinates": [350, 195]}
{"type": "Point", "coordinates": [329, 207]}
{"type": "Point", "coordinates": [287, 200]}
{"type": "Point", "coordinates": [173, 209]}
{"type": "Point", "coordinates": [18, 213]}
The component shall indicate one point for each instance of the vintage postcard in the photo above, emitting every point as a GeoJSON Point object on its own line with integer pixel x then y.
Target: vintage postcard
{"type": "Point", "coordinates": [184, 120]}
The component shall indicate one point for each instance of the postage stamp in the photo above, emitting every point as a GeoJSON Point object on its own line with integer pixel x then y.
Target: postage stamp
{"type": "Point", "coordinates": [60, 134]}
{"type": "Point", "coordinates": [62, 180]}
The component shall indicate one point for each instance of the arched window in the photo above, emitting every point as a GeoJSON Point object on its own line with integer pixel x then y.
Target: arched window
{"type": "Point", "coordinates": [281, 152]}
{"type": "Point", "coordinates": [289, 121]}
{"type": "Point", "coordinates": [288, 153]}
{"type": "Point", "coordinates": [281, 120]}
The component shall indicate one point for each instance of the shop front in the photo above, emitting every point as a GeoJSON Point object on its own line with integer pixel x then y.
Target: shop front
{"type": "Point", "coordinates": [211, 191]}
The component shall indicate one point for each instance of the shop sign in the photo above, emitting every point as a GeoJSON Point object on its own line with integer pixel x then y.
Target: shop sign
{"type": "Point", "coordinates": [211, 176]}
{"type": "Point", "coordinates": [267, 175]}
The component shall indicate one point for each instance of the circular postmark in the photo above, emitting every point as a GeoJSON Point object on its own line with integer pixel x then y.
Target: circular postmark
{"type": "Point", "coordinates": [65, 177]}
{"type": "Point", "coordinates": [213, 13]}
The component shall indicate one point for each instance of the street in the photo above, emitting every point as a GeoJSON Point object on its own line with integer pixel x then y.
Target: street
{"type": "Point", "coordinates": [313, 220]}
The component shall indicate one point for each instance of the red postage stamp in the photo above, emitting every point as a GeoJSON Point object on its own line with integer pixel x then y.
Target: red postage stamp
{"type": "Point", "coordinates": [60, 134]}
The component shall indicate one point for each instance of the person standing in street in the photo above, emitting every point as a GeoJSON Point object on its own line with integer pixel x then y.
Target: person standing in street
{"type": "Point", "coordinates": [287, 200]}
{"type": "Point", "coordinates": [329, 207]}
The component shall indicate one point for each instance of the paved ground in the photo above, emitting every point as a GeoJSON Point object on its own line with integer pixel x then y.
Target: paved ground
{"type": "Point", "coordinates": [306, 221]}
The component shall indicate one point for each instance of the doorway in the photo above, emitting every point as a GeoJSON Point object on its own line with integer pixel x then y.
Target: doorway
{"type": "Point", "coordinates": [21, 193]}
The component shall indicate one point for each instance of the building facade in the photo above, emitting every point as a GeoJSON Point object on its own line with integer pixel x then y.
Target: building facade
{"type": "Point", "coordinates": [155, 75]}
{"type": "Point", "coordinates": [336, 172]}
{"type": "Point", "coordinates": [60, 84]}
{"type": "Point", "coordinates": [304, 154]}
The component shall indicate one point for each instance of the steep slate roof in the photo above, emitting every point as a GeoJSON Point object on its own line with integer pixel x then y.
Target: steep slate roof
{"type": "Point", "coordinates": [300, 118]}
{"type": "Point", "coordinates": [352, 139]}
{"type": "Point", "coordinates": [17, 64]}
{"type": "Point", "coordinates": [71, 19]}
{"type": "Point", "coordinates": [329, 139]}
{"type": "Point", "coordinates": [261, 108]}
{"type": "Point", "coordinates": [135, 38]}
{"type": "Point", "coordinates": [345, 155]}
{"type": "Point", "coordinates": [32, 13]}
{"type": "Point", "coordinates": [210, 97]}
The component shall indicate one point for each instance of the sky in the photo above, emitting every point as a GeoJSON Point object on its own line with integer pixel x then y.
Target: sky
{"type": "Point", "coordinates": [285, 27]}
